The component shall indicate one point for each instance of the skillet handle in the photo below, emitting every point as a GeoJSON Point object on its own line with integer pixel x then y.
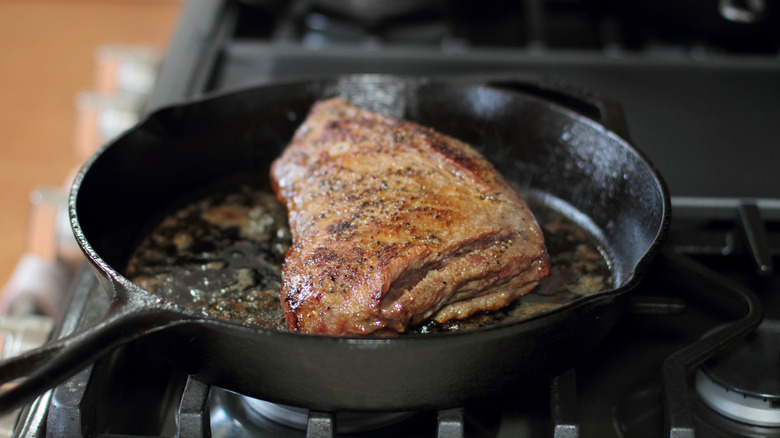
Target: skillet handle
{"type": "Point", "coordinates": [24, 377]}
{"type": "Point", "coordinates": [606, 111]}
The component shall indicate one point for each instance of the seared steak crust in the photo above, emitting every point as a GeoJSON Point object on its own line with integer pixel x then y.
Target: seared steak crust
{"type": "Point", "coordinates": [394, 223]}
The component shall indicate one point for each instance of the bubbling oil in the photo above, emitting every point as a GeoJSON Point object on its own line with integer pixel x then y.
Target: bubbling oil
{"type": "Point", "coordinates": [221, 256]}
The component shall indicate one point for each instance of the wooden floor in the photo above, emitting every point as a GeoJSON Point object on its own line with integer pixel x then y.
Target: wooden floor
{"type": "Point", "coordinates": [47, 56]}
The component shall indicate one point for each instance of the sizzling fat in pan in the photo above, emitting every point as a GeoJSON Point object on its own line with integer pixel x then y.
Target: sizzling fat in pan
{"type": "Point", "coordinates": [221, 255]}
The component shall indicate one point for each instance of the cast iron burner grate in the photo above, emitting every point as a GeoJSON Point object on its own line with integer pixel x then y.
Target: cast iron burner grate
{"type": "Point", "coordinates": [678, 416]}
{"type": "Point", "coordinates": [84, 406]}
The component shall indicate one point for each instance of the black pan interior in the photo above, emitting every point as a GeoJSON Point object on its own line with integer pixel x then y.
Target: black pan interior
{"type": "Point", "coordinates": [539, 145]}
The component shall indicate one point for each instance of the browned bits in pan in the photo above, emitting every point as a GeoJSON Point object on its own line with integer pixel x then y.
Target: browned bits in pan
{"type": "Point", "coordinates": [221, 256]}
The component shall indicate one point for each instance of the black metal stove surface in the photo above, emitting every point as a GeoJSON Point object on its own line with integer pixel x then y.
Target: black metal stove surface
{"type": "Point", "coordinates": [706, 116]}
{"type": "Point", "coordinates": [617, 391]}
{"type": "Point", "coordinates": [702, 107]}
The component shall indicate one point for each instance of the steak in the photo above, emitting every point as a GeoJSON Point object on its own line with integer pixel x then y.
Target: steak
{"type": "Point", "coordinates": [394, 223]}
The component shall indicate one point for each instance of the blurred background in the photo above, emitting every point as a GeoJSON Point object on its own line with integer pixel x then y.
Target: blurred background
{"type": "Point", "coordinates": [61, 64]}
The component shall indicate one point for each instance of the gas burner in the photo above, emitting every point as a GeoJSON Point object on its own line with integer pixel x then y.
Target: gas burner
{"type": "Point", "coordinates": [237, 416]}
{"type": "Point", "coordinates": [320, 29]}
{"type": "Point", "coordinates": [743, 382]}
{"type": "Point", "coordinates": [346, 422]}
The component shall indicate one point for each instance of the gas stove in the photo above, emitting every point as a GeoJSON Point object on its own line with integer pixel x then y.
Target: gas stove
{"type": "Point", "coordinates": [697, 351]}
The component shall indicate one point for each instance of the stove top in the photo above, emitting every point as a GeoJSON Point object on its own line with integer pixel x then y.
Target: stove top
{"type": "Point", "coordinates": [700, 101]}
{"type": "Point", "coordinates": [688, 102]}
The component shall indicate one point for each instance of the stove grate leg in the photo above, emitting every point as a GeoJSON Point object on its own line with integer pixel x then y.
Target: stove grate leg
{"type": "Point", "coordinates": [194, 418]}
{"type": "Point", "coordinates": [450, 423]}
{"type": "Point", "coordinates": [321, 425]}
{"type": "Point", "coordinates": [564, 405]}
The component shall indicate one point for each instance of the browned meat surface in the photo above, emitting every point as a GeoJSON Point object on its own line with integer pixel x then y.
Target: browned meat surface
{"type": "Point", "coordinates": [394, 223]}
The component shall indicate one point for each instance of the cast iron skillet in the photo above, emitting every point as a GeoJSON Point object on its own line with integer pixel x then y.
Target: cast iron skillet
{"type": "Point", "coordinates": [561, 153]}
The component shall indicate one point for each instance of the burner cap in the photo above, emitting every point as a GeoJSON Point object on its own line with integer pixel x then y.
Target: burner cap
{"type": "Point", "coordinates": [743, 382]}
